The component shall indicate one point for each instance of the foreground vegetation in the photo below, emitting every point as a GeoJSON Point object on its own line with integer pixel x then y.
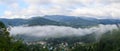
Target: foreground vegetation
{"type": "Point", "coordinates": [109, 41]}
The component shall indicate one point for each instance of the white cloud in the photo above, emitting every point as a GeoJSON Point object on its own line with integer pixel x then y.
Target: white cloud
{"type": "Point", "coordinates": [93, 8]}
{"type": "Point", "coordinates": [60, 31]}
{"type": "Point", "coordinates": [7, 1]}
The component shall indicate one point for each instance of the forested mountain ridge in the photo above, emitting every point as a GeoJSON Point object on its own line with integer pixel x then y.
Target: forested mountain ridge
{"type": "Point", "coordinates": [32, 21]}
{"type": "Point", "coordinates": [59, 20]}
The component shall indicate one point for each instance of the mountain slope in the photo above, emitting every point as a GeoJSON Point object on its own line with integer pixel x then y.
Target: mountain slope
{"type": "Point", "coordinates": [13, 22]}
{"type": "Point", "coordinates": [60, 20]}
{"type": "Point", "coordinates": [74, 21]}
{"type": "Point", "coordinates": [81, 21]}
{"type": "Point", "coordinates": [42, 21]}
{"type": "Point", "coordinates": [109, 21]}
{"type": "Point", "coordinates": [31, 22]}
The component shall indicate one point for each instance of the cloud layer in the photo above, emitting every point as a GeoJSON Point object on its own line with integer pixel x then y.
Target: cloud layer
{"type": "Point", "coordinates": [60, 31]}
{"type": "Point", "coordinates": [89, 8]}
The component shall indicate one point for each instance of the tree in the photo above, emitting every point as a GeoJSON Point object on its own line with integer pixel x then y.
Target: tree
{"type": "Point", "coordinates": [110, 41]}
{"type": "Point", "coordinates": [4, 38]}
{"type": "Point", "coordinates": [8, 43]}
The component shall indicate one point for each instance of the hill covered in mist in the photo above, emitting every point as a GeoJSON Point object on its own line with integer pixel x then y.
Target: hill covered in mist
{"type": "Point", "coordinates": [76, 32]}
{"type": "Point", "coordinates": [58, 26]}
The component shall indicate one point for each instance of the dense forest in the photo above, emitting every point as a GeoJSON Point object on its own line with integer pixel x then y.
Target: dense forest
{"type": "Point", "coordinates": [109, 41]}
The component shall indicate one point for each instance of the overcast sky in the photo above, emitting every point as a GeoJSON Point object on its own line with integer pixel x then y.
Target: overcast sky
{"type": "Point", "coordinates": [88, 8]}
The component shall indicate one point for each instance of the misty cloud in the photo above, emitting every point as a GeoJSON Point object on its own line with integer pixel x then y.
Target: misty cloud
{"type": "Point", "coordinates": [59, 31]}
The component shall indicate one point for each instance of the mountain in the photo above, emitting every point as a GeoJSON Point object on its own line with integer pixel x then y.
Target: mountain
{"type": "Point", "coordinates": [81, 21]}
{"type": "Point", "coordinates": [13, 22]}
{"type": "Point", "coordinates": [59, 20]}
{"type": "Point", "coordinates": [62, 21]}
{"type": "Point", "coordinates": [109, 21]}
{"type": "Point", "coordinates": [43, 21]}
{"type": "Point", "coordinates": [31, 22]}
{"type": "Point", "coordinates": [73, 21]}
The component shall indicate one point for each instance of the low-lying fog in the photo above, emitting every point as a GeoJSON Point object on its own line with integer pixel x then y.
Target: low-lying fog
{"type": "Point", "coordinates": [59, 31]}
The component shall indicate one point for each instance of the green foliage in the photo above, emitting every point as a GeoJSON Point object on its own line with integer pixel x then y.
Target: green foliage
{"type": "Point", "coordinates": [109, 41]}
{"type": "Point", "coordinates": [7, 43]}
{"type": "Point", "coordinates": [37, 47]}
{"type": "Point", "coordinates": [4, 38]}
{"type": "Point", "coordinates": [2, 25]}
{"type": "Point", "coordinates": [18, 46]}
